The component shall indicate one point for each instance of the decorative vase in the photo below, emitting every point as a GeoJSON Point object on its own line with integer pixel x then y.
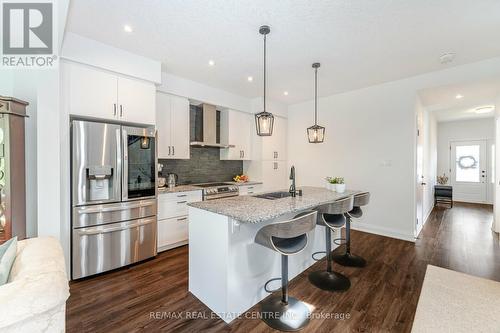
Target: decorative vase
{"type": "Point", "coordinates": [331, 187]}
{"type": "Point", "coordinates": [340, 188]}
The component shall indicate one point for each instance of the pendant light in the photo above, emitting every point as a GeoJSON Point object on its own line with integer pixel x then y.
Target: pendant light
{"type": "Point", "coordinates": [316, 133]}
{"type": "Point", "coordinates": [264, 120]}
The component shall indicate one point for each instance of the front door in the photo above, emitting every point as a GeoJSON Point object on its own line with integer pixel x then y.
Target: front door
{"type": "Point", "coordinates": [469, 170]}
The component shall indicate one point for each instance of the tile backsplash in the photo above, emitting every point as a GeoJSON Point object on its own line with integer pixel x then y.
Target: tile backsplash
{"type": "Point", "coordinates": [203, 166]}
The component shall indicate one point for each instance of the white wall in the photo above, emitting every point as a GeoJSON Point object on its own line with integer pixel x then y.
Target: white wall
{"type": "Point", "coordinates": [87, 51]}
{"type": "Point", "coordinates": [465, 130]}
{"type": "Point", "coordinates": [430, 161]}
{"type": "Point", "coordinates": [179, 86]}
{"type": "Point", "coordinates": [496, 206]}
{"type": "Point", "coordinates": [370, 140]}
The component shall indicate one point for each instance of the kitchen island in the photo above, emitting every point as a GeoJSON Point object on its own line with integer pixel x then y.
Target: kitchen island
{"type": "Point", "coordinates": [227, 269]}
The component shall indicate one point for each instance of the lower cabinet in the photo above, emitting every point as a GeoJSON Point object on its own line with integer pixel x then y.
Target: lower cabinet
{"type": "Point", "coordinates": [173, 219]}
{"type": "Point", "coordinates": [250, 189]}
{"type": "Point", "coordinates": [172, 232]}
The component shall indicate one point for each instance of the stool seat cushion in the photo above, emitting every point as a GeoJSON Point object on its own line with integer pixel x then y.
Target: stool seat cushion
{"type": "Point", "coordinates": [334, 220]}
{"type": "Point", "coordinates": [356, 212]}
{"type": "Point", "coordinates": [290, 245]}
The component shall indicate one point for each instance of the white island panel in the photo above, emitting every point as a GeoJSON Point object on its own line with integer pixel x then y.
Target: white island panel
{"type": "Point", "coordinates": [228, 270]}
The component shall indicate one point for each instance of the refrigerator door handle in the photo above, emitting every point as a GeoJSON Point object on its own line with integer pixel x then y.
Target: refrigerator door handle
{"type": "Point", "coordinates": [118, 177]}
{"type": "Point", "coordinates": [125, 164]}
{"type": "Point", "coordinates": [108, 229]}
{"type": "Point", "coordinates": [111, 208]}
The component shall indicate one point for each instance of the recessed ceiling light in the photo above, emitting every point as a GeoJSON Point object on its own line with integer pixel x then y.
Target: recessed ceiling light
{"type": "Point", "coordinates": [458, 96]}
{"type": "Point", "coordinates": [285, 93]}
{"type": "Point", "coordinates": [127, 28]}
{"type": "Point", "coordinates": [250, 78]}
{"type": "Point", "coordinates": [485, 109]}
{"type": "Point", "coordinates": [211, 63]}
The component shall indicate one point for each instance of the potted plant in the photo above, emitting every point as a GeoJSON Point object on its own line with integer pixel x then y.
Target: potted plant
{"type": "Point", "coordinates": [332, 182]}
{"type": "Point", "coordinates": [340, 185]}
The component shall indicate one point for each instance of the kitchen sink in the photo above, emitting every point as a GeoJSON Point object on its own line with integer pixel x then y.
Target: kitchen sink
{"type": "Point", "coordinates": [273, 195]}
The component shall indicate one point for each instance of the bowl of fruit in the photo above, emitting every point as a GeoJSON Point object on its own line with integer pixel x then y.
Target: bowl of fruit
{"type": "Point", "coordinates": [240, 178]}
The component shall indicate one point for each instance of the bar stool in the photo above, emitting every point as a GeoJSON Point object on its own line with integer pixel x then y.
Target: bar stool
{"type": "Point", "coordinates": [285, 313]}
{"type": "Point", "coordinates": [349, 259]}
{"type": "Point", "coordinates": [332, 217]}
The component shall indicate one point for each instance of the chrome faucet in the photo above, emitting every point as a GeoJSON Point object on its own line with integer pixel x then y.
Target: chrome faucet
{"type": "Point", "coordinates": [293, 191]}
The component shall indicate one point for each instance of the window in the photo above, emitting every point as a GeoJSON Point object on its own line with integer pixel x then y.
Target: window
{"type": "Point", "coordinates": [467, 164]}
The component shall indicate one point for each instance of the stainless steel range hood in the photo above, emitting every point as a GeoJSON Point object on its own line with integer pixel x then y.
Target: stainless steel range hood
{"type": "Point", "coordinates": [209, 129]}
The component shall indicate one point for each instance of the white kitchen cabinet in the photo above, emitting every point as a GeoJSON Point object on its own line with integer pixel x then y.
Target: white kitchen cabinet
{"type": "Point", "coordinates": [136, 99]}
{"type": "Point", "coordinates": [91, 93]}
{"type": "Point", "coordinates": [250, 189]}
{"type": "Point", "coordinates": [274, 175]}
{"type": "Point", "coordinates": [172, 233]}
{"type": "Point", "coordinates": [179, 139]}
{"type": "Point", "coordinates": [269, 160]}
{"type": "Point", "coordinates": [236, 129]}
{"type": "Point", "coordinates": [274, 147]}
{"type": "Point", "coordinates": [99, 94]}
{"type": "Point", "coordinates": [173, 218]}
{"type": "Point", "coordinates": [172, 123]}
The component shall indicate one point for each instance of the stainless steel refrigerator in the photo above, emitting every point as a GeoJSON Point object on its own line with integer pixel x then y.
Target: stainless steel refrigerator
{"type": "Point", "coordinates": [113, 196]}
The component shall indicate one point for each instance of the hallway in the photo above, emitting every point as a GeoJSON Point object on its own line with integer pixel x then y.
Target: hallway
{"type": "Point", "coordinates": [461, 239]}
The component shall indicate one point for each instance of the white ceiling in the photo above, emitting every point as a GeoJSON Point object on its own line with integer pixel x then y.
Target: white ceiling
{"type": "Point", "coordinates": [359, 43]}
{"type": "Point", "coordinates": [443, 102]}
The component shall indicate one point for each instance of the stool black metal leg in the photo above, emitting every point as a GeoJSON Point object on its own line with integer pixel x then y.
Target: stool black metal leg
{"type": "Point", "coordinates": [349, 259]}
{"type": "Point", "coordinates": [284, 313]}
{"type": "Point", "coordinates": [284, 279]}
{"type": "Point", "coordinates": [329, 280]}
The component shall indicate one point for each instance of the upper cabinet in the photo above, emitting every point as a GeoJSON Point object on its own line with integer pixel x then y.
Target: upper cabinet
{"type": "Point", "coordinates": [136, 101]}
{"type": "Point", "coordinates": [236, 130]}
{"type": "Point", "coordinates": [172, 123]}
{"type": "Point", "coordinates": [100, 94]}
{"type": "Point", "coordinates": [274, 147]}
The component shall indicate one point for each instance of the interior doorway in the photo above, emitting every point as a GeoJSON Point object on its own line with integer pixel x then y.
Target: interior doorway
{"type": "Point", "coordinates": [469, 170]}
{"type": "Point", "coordinates": [456, 149]}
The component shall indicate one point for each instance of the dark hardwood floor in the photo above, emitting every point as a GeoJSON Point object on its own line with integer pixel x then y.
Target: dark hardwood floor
{"type": "Point", "coordinates": [383, 296]}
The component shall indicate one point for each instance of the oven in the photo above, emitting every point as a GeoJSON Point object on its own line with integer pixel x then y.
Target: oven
{"type": "Point", "coordinates": [212, 191]}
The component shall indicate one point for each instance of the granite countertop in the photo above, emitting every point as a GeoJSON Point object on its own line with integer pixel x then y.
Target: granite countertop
{"type": "Point", "coordinates": [179, 188]}
{"type": "Point", "coordinates": [249, 183]}
{"type": "Point", "coordinates": [249, 209]}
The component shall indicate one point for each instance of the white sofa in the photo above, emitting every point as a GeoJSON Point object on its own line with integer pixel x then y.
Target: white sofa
{"type": "Point", "coordinates": [34, 298]}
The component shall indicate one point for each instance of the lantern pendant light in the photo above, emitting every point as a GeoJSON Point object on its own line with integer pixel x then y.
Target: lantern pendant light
{"type": "Point", "coordinates": [316, 133]}
{"type": "Point", "coordinates": [264, 120]}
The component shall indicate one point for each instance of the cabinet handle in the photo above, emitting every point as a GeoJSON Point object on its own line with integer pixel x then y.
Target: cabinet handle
{"type": "Point", "coordinates": [182, 219]}
{"type": "Point", "coordinates": [121, 110]}
{"type": "Point", "coordinates": [181, 202]}
{"type": "Point", "coordinates": [169, 150]}
{"type": "Point", "coordinates": [173, 150]}
{"type": "Point", "coordinates": [114, 109]}
{"type": "Point", "coordinates": [243, 153]}
{"type": "Point", "coordinates": [182, 195]}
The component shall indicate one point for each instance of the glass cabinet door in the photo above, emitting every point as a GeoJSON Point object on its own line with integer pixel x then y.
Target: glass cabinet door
{"type": "Point", "coordinates": [141, 165]}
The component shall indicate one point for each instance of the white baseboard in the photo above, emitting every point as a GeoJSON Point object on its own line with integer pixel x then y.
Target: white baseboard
{"type": "Point", "coordinates": [372, 229]}
{"type": "Point", "coordinates": [171, 246]}
{"type": "Point", "coordinates": [428, 214]}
